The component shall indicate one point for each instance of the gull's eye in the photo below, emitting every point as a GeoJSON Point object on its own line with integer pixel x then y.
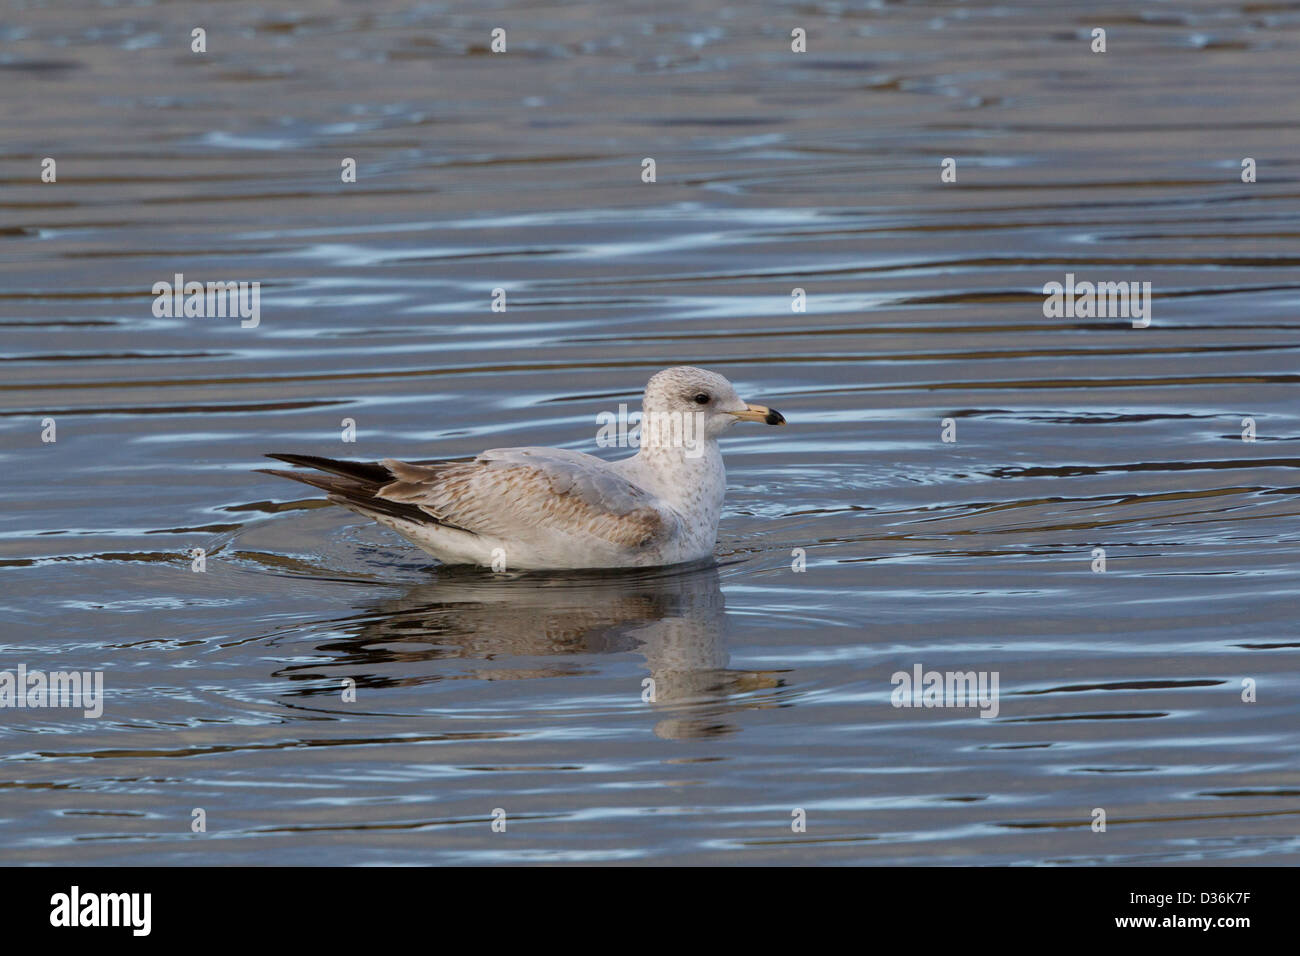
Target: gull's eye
{"type": "Point", "coordinates": [701, 398]}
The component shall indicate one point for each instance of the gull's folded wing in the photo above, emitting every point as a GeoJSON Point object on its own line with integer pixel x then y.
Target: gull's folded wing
{"type": "Point", "coordinates": [506, 490]}
{"type": "Point", "coordinates": [501, 493]}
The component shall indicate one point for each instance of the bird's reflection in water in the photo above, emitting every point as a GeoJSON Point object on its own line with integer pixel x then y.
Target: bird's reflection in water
{"type": "Point", "coordinates": [673, 617]}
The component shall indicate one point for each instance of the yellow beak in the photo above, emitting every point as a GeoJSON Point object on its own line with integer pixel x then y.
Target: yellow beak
{"type": "Point", "coordinates": [760, 413]}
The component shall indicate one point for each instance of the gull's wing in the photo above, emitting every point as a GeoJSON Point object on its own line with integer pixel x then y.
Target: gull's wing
{"type": "Point", "coordinates": [511, 492]}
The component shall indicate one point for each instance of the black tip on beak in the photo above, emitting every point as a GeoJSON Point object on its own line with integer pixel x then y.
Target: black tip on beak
{"type": "Point", "coordinates": [774, 417]}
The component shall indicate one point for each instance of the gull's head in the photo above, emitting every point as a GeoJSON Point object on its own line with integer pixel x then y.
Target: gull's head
{"type": "Point", "coordinates": [708, 399]}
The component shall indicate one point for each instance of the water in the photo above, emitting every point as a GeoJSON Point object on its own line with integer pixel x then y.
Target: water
{"type": "Point", "coordinates": [1119, 690]}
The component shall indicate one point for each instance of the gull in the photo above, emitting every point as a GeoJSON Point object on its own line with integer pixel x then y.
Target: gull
{"type": "Point", "coordinates": [535, 509]}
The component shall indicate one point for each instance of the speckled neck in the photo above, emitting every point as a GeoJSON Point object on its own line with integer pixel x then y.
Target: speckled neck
{"type": "Point", "coordinates": [693, 483]}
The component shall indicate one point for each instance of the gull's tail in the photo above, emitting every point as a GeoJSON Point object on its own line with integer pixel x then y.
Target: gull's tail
{"type": "Point", "coordinates": [353, 484]}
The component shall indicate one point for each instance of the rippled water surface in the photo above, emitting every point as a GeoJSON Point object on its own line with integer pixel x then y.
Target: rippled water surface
{"type": "Point", "coordinates": [476, 692]}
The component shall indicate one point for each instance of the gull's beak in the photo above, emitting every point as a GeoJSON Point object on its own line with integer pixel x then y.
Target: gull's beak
{"type": "Point", "coordinates": [760, 413]}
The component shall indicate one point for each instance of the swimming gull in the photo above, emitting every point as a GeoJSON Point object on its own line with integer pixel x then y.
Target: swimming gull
{"type": "Point", "coordinates": [552, 508]}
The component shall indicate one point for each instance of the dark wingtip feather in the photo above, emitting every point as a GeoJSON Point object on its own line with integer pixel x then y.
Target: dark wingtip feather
{"type": "Point", "coordinates": [370, 471]}
{"type": "Point", "coordinates": [351, 484]}
{"type": "Point", "coordinates": [331, 483]}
